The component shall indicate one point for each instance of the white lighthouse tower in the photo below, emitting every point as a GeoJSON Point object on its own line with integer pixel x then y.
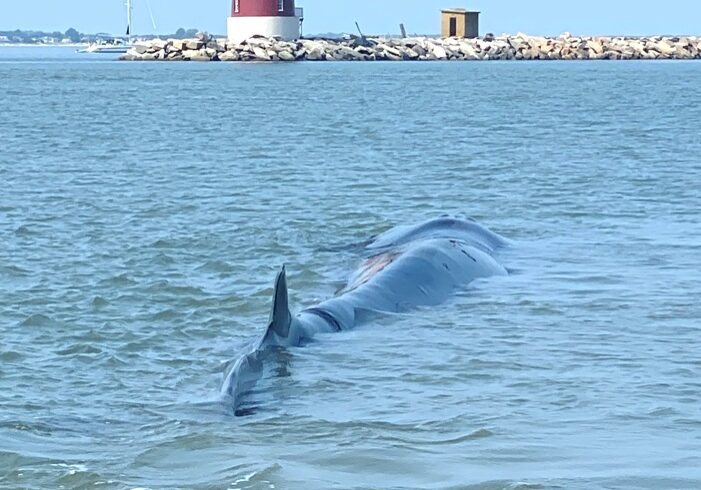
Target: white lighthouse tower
{"type": "Point", "coordinates": [265, 18]}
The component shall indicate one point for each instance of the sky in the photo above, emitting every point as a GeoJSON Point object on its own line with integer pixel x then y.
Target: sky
{"type": "Point", "coordinates": [537, 17]}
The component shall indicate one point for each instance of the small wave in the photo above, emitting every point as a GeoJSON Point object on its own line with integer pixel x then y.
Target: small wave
{"type": "Point", "coordinates": [118, 280]}
{"type": "Point", "coordinates": [115, 362]}
{"type": "Point", "coordinates": [255, 478]}
{"type": "Point", "coordinates": [13, 270]}
{"type": "Point", "coordinates": [500, 485]}
{"type": "Point", "coordinates": [11, 462]}
{"type": "Point", "coordinates": [10, 356]}
{"type": "Point", "coordinates": [78, 476]}
{"type": "Point", "coordinates": [477, 434]}
{"type": "Point", "coordinates": [24, 231]}
{"type": "Point", "coordinates": [37, 320]}
{"type": "Point", "coordinates": [37, 428]}
{"type": "Point", "coordinates": [163, 243]}
{"type": "Point", "coordinates": [662, 412]}
{"type": "Point", "coordinates": [185, 290]}
{"type": "Point", "coordinates": [523, 486]}
{"type": "Point", "coordinates": [168, 314]}
{"type": "Point", "coordinates": [163, 259]}
{"type": "Point", "coordinates": [99, 302]}
{"type": "Point", "coordinates": [216, 266]}
{"type": "Point", "coordinates": [79, 349]}
{"type": "Point", "coordinates": [164, 286]}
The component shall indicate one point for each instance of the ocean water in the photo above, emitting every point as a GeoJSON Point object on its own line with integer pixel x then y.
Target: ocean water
{"type": "Point", "coordinates": [145, 209]}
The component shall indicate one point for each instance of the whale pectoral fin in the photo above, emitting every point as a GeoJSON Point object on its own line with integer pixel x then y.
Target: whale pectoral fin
{"type": "Point", "coordinates": [280, 317]}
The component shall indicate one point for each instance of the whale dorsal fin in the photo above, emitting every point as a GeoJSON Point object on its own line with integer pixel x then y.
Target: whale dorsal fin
{"type": "Point", "coordinates": [280, 317]}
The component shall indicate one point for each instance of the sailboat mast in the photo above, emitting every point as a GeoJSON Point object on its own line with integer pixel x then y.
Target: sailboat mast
{"type": "Point", "coordinates": [129, 10]}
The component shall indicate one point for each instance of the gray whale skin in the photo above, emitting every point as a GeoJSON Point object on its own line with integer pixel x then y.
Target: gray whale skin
{"type": "Point", "coordinates": [408, 267]}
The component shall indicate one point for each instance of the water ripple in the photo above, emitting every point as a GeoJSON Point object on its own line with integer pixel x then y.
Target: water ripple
{"type": "Point", "coordinates": [135, 265]}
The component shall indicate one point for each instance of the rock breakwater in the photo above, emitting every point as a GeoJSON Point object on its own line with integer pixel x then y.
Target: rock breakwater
{"type": "Point", "coordinates": [518, 47]}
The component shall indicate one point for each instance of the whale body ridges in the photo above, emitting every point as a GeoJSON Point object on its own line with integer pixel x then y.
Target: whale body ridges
{"type": "Point", "coordinates": [405, 268]}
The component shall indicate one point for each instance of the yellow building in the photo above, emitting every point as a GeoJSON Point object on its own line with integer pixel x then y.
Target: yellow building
{"type": "Point", "coordinates": [459, 23]}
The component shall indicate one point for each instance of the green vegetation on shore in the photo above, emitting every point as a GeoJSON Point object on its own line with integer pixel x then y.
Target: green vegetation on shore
{"type": "Point", "coordinates": [73, 36]}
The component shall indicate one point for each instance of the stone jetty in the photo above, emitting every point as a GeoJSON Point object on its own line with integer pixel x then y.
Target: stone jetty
{"type": "Point", "coordinates": [517, 47]}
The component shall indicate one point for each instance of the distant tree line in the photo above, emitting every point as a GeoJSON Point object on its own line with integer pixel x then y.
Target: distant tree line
{"type": "Point", "coordinates": [74, 36]}
{"type": "Point", "coordinates": [20, 36]}
{"type": "Point", "coordinates": [185, 34]}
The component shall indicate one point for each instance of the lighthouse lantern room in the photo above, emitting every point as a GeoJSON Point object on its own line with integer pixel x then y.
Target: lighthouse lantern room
{"type": "Point", "coordinates": [265, 18]}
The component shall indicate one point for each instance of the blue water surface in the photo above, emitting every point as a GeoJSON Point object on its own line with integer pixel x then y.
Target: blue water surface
{"type": "Point", "coordinates": [146, 208]}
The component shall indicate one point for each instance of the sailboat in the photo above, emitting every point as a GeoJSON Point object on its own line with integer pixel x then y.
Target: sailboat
{"type": "Point", "coordinates": [113, 45]}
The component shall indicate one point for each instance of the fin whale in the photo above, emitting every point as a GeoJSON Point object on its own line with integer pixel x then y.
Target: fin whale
{"type": "Point", "coordinates": [407, 267]}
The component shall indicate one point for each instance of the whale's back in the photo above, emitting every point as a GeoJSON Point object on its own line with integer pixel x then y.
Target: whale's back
{"type": "Point", "coordinates": [421, 273]}
{"type": "Point", "coordinates": [465, 230]}
{"type": "Point", "coordinates": [408, 268]}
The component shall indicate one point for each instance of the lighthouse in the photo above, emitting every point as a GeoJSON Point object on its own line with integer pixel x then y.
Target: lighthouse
{"type": "Point", "coordinates": [265, 18]}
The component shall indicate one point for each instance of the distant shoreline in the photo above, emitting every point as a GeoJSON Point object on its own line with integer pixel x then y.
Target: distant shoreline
{"type": "Point", "coordinates": [30, 45]}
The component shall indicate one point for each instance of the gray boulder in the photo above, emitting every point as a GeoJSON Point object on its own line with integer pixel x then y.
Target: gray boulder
{"type": "Point", "coordinates": [410, 54]}
{"type": "Point", "coordinates": [216, 46]}
{"type": "Point", "coordinates": [229, 56]}
{"type": "Point", "coordinates": [141, 48]}
{"type": "Point", "coordinates": [193, 54]}
{"type": "Point", "coordinates": [177, 45]}
{"type": "Point", "coordinates": [418, 49]}
{"type": "Point", "coordinates": [440, 53]}
{"type": "Point", "coordinates": [203, 37]}
{"type": "Point", "coordinates": [159, 44]}
{"type": "Point", "coordinates": [193, 45]}
{"type": "Point", "coordinates": [285, 55]}
{"type": "Point", "coordinates": [316, 54]}
{"type": "Point", "coordinates": [261, 54]}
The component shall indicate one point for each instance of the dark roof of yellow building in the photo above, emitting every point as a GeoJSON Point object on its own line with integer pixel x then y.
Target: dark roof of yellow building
{"type": "Point", "coordinates": [459, 11]}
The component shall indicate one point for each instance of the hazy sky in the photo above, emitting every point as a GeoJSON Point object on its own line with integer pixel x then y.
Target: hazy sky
{"type": "Point", "coordinates": [635, 17]}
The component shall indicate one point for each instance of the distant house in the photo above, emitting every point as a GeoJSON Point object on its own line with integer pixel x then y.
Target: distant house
{"type": "Point", "coordinates": [4, 39]}
{"type": "Point", "coordinates": [459, 23]}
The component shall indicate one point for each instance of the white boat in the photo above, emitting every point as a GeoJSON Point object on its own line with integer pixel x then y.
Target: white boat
{"type": "Point", "coordinates": [113, 45]}
{"type": "Point", "coordinates": [107, 46]}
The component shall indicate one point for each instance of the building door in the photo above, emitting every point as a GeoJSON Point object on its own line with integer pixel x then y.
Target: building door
{"type": "Point", "coordinates": [453, 26]}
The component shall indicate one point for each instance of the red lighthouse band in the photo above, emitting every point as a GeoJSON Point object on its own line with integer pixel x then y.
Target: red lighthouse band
{"type": "Point", "coordinates": [262, 8]}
